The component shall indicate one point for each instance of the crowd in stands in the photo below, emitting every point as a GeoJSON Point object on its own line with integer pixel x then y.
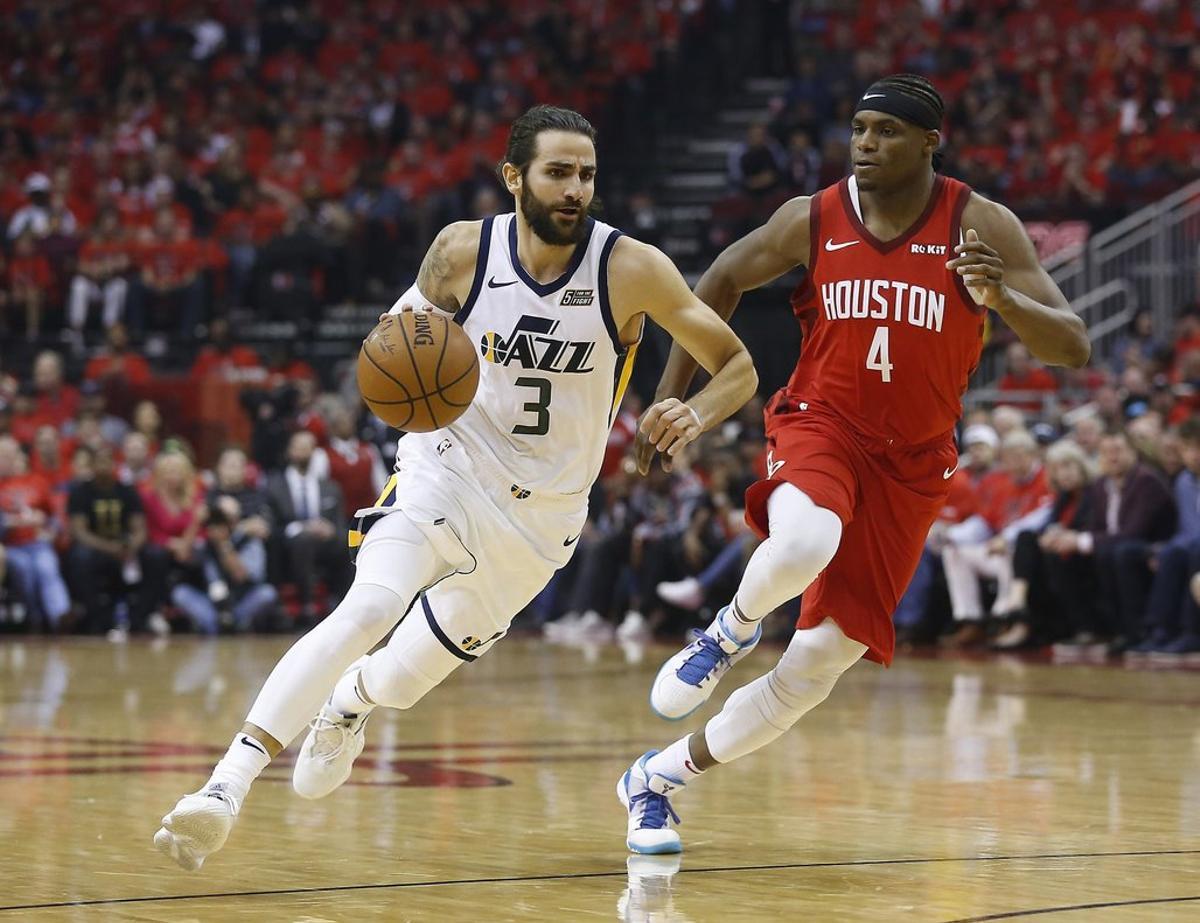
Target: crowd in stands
{"type": "Point", "coordinates": [1060, 111]}
{"type": "Point", "coordinates": [1073, 519]}
{"type": "Point", "coordinates": [159, 165]}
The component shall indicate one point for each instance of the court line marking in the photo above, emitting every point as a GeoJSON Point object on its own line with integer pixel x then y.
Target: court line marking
{"type": "Point", "coordinates": [574, 876]}
{"type": "Point", "coordinates": [1068, 908]}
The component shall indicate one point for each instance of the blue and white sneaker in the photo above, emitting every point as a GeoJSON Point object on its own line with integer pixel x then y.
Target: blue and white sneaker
{"type": "Point", "coordinates": [650, 814]}
{"type": "Point", "coordinates": [686, 681]}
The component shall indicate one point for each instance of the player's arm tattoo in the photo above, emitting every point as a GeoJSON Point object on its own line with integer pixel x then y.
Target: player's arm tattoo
{"type": "Point", "coordinates": [433, 278]}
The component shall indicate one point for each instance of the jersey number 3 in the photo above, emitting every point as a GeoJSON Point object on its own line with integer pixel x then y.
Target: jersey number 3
{"type": "Point", "coordinates": [877, 356]}
{"type": "Point", "coordinates": [539, 406]}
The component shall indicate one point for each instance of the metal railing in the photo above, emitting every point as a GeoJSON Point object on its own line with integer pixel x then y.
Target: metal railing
{"type": "Point", "coordinates": [1149, 259]}
{"type": "Point", "coordinates": [1156, 251]}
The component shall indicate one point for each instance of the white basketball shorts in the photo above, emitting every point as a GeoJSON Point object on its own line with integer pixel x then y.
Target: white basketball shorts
{"type": "Point", "coordinates": [503, 542]}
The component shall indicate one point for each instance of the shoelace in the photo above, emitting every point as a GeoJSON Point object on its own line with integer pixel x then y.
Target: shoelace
{"type": "Point", "coordinates": [321, 723]}
{"type": "Point", "coordinates": [218, 792]}
{"type": "Point", "coordinates": [708, 654]}
{"type": "Point", "coordinates": [654, 814]}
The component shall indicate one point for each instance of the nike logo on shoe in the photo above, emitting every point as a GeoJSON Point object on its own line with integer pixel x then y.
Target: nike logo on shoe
{"type": "Point", "coordinates": [571, 541]}
{"type": "Point", "coordinates": [254, 745]}
{"type": "Point", "coordinates": [875, 96]}
{"type": "Point", "coordinates": [831, 246]}
{"type": "Point", "coordinates": [948, 473]}
{"type": "Point", "coordinates": [492, 283]}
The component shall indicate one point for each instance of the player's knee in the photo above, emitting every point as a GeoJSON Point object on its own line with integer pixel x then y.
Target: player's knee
{"type": "Point", "coordinates": [372, 609]}
{"type": "Point", "coordinates": [817, 655]}
{"type": "Point", "coordinates": [805, 552]}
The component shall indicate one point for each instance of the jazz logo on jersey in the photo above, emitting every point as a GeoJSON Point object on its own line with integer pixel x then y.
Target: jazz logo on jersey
{"type": "Point", "coordinates": [884, 299]}
{"type": "Point", "coordinates": [577, 297]}
{"type": "Point", "coordinates": [532, 345]}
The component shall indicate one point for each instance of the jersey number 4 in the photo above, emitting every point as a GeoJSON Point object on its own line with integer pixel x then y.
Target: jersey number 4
{"type": "Point", "coordinates": [539, 406]}
{"type": "Point", "coordinates": [877, 356]}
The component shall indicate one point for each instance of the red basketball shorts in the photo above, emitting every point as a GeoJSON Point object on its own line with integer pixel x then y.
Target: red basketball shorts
{"type": "Point", "coordinates": [887, 498]}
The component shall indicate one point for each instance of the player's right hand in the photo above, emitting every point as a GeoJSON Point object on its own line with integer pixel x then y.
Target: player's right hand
{"type": "Point", "coordinates": [666, 427]}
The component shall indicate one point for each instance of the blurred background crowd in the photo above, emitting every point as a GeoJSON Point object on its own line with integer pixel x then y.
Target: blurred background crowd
{"type": "Point", "coordinates": [205, 204]}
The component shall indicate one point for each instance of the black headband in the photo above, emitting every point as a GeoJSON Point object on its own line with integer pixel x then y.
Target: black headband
{"type": "Point", "coordinates": [885, 98]}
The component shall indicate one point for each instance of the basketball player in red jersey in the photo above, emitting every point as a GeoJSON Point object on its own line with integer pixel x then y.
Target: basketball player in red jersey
{"type": "Point", "coordinates": [903, 264]}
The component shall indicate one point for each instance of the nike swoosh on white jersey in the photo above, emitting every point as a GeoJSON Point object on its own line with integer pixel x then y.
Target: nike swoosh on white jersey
{"type": "Point", "coordinates": [875, 96]}
{"type": "Point", "coordinates": [831, 246]}
{"type": "Point", "coordinates": [949, 473]}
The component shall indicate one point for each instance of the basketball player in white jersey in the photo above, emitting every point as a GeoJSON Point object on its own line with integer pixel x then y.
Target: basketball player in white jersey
{"type": "Point", "coordinates": [481, 513]}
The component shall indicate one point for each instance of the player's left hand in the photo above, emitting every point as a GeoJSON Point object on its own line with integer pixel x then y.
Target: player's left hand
{"type": "Point", "coordinates": [666, 427]}
{"type": "Point", "coordinates": [981, 268]}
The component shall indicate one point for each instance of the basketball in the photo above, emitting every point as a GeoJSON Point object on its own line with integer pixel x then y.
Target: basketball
{"type": "Point", "coordinates": [417, 372]}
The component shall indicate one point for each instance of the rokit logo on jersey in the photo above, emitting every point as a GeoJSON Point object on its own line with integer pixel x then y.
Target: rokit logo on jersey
{"type": "Point", "coordinates": [577, 297]}
{"type": "Point", "coordinates": [532, 345]}
{"type": "Point", "coordinates": [929, 249]}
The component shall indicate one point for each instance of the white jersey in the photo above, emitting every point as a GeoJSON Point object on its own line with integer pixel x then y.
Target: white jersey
{"type": "Point", "coordinates": [552, 367]}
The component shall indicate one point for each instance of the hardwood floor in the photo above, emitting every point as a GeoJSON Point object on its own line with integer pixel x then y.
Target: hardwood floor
{"type": "Point", "coordinates": [939, 790]}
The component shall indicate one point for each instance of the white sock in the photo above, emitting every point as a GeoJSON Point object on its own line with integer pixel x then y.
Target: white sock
{"type": "Point", "coordinates": [347, 698]}
{"type": "Point", "coordinates": [240, 766]}
{"type": "Point", "coordinates": [675, 762]}
{"type": "Point", "coordinates": [737, 624]}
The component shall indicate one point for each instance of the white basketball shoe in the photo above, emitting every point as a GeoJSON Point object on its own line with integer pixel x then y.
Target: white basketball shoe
{"type": "Point", "coordinates": [686, 681]}
{"type": "Point", "coordinates": [333, 743]}
{"type": "Point", "coordinates": [650, 814]}
{"type": "Point", "coordinates": [197, 826]}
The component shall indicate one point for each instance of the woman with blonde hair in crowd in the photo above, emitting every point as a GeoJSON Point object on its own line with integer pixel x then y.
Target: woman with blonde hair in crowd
{"type": "Point", "coordinates": [175, 515]}
{"type": "Point", "coordinates": [1070, 471]}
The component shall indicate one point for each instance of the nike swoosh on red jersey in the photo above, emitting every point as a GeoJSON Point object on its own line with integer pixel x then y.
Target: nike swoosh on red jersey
{"type": "Point", "coordinates": [831, 246]}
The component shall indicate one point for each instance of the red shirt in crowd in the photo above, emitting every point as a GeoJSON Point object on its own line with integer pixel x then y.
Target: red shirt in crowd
{"type": "Point", "coordinates": [133, 368]}
{"type": "Point", "coordinates": [56, 407]}
{"type": "Point", "coordinates": [30, 272]}
{"type": "Point", "coordinates": [1035, 380]}
{"type": "Point", "coordinates": [171, 263]}
{"type": "Point", "coordinates": [355, 466]}
{"type": "Point", "coordinates": [162, 523]}
{"type": "Point", "coordinates": [1008, 499]}
{"type": "Point", "coordinates": [224, 363]}
{"type": "Point", "coordinates": [21, 492]}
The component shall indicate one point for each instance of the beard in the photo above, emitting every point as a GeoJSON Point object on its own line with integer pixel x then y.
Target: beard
{"type": "Point", "coordinates": [541, 219]}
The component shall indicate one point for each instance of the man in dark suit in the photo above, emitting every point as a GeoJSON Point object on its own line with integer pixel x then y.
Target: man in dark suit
{"type": "Point", "coordinates": [307, 511]}
{"type": "Point", "coordinates": [1131, 509]}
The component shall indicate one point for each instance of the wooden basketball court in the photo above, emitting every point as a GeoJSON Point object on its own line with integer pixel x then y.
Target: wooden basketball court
{"type": "Point", "coordinates": [940, 790]}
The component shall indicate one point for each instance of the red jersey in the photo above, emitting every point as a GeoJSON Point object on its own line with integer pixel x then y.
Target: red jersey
{"type": "Point", "coordinates": [19, 493]}
{"type": "Point", "coordinates": [891, 335]}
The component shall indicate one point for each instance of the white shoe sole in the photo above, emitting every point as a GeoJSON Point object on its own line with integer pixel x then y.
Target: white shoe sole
{"type": "Point", "coordinates": [188, 838]}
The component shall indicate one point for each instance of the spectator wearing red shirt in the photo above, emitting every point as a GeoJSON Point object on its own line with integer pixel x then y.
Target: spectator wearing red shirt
{"type": "Point", "coordinates": [242, 231]}
{"type": "Point", "coordinates": [981, 545]}
{"type": "Point", "coordinates": [55, 401]}
{"type": "Point", "coordinates": [222, 358]}
{"type": "Point", "coordinates": [356, 466]}
{"type": "Point", "coordinates": [101, 276]}
{"type": "Point", "coordinates": [29, 281]}
{"type": "Point", "coordinates": [1025, 375]}
{"type": "Point", "coordinates": [116, 365]}
{"type": "Point", "coordinates": [169, 283]}
{"type": "Point", "coordinates": [175, 515]}
{"type": "Point", "coordinates": [26, 513]}
{"type": "Point", "coordinates": [51, 456]}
